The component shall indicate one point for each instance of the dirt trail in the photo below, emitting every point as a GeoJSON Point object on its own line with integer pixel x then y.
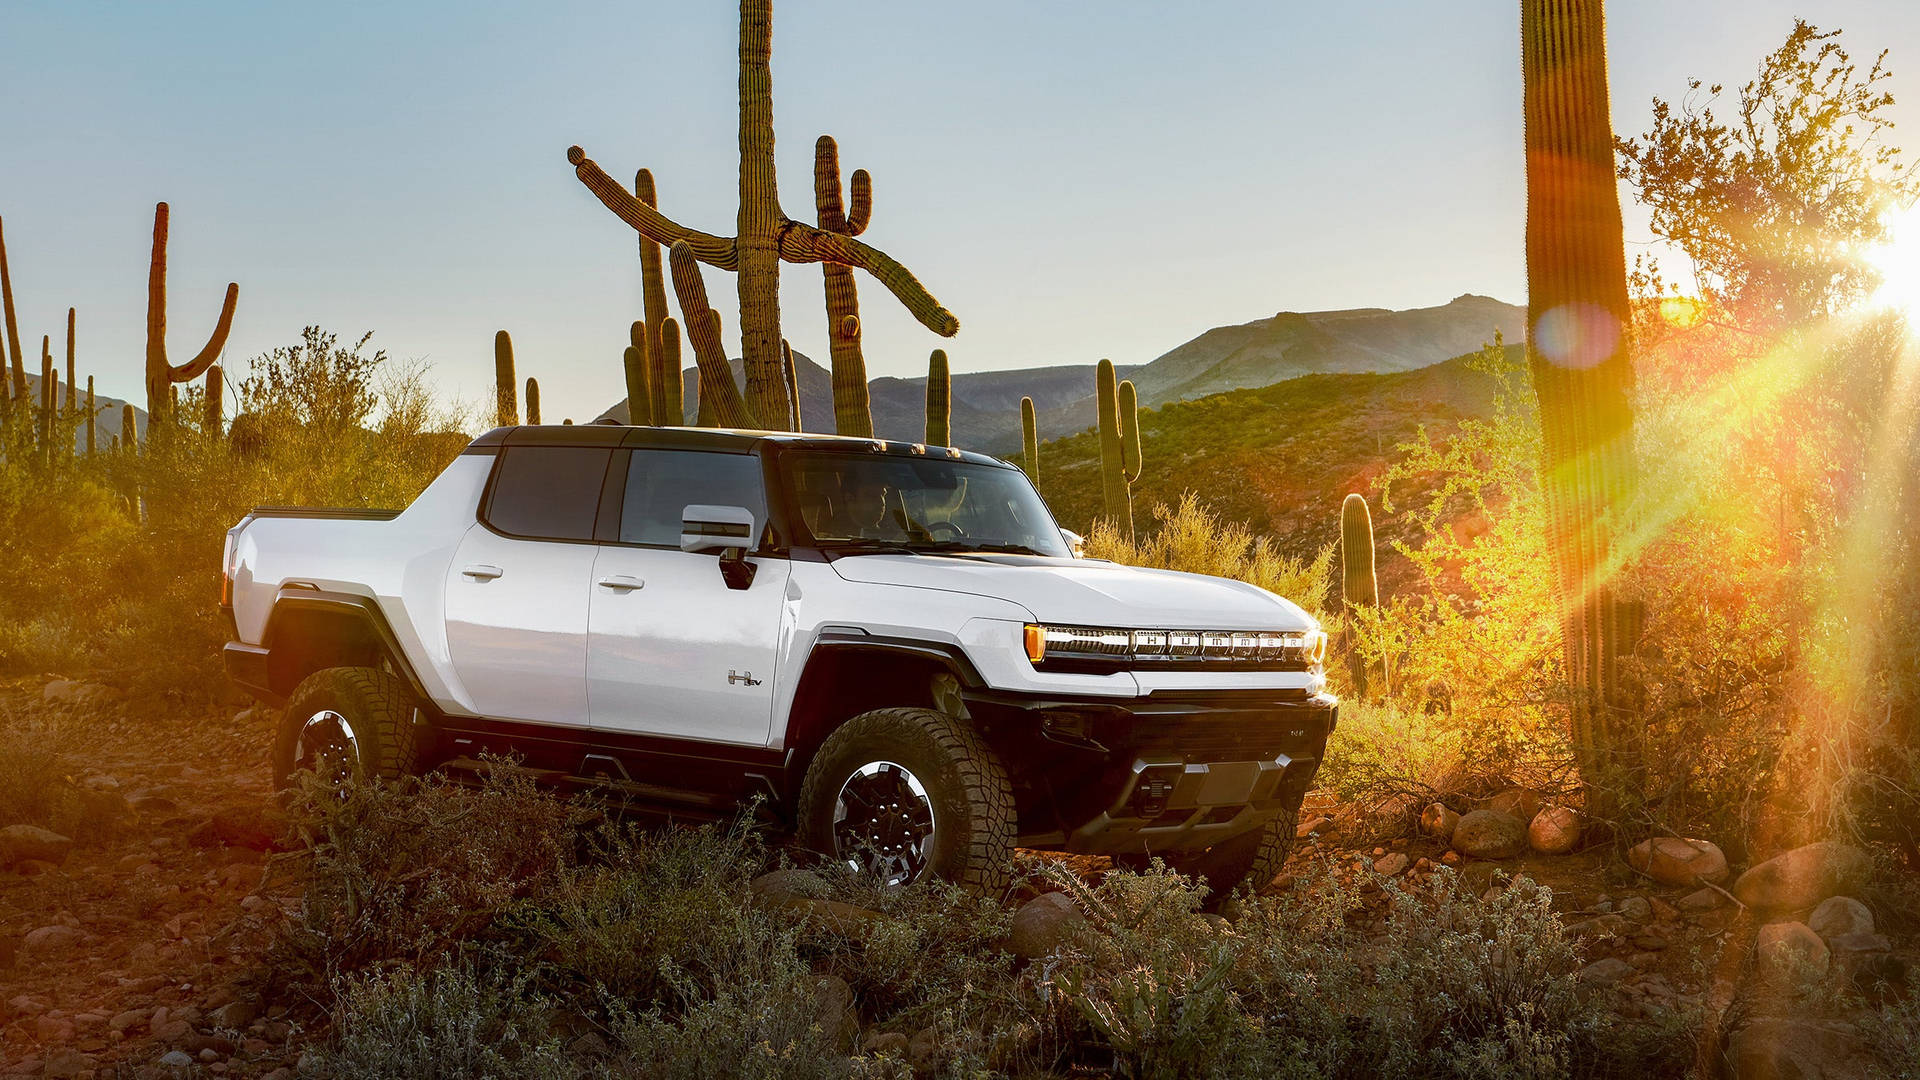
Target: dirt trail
{"type": "Point", "coordinates": [171, 841]}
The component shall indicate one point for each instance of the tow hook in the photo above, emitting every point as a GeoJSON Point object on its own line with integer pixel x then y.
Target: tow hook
{"type": "Point", "coordinates": [1156, 784]}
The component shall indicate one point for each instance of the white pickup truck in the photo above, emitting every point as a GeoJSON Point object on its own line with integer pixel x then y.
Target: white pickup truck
{"type": "Point", "coordinates": [893, 644]}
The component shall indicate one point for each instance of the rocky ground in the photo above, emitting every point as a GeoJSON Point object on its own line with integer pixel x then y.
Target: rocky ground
{"type": "Point", "coordinates": [127, 947]}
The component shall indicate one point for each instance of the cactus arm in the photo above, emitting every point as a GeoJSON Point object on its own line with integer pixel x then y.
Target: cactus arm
{"type": "Point", "coordinates": [1129, 407]}
{"type": "Point", "coordinates": [198, 366]}
{"type": "Point", "coordinates": [852, 409]}
{"type": "Point", "coordinates": [939, 400]}
{"type": "Point", "coordinates": [506, 409]}
{"type": "Point", "coordinates": [1030, 439]}
{"type": "Point", "coordinates": [17, 361]}
{"type": "Point", "coordinates": [633, 363]}
{"type": "Point", "coordinates": [718, 391]}
{"type": "Point", "coordinates": [801, 243]}
{"type": "Point", "coordinates": [719, 251]}
{"type": "Point", "coordinates": [1115, 496]}
{"type": "Point", "coordinates": [862, 209]}
{"type": "Point", "coordinates": [828, 209]}
{"type": "Point", "coordinates": [663, 387]}
{"type": "Point", "coordinates": [668, 370]}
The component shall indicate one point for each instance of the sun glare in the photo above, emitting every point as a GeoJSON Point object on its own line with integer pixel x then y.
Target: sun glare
{"type": "Point", "coordinates": [1897, 261]}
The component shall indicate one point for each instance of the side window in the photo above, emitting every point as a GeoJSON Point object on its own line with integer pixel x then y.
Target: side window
{"type": "Point", "coordinates": [662, 483]}
{"type": "Point", "coordinates": [548, 492]}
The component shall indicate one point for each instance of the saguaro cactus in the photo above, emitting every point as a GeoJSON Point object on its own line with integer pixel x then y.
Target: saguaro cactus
{"type": "Point", "coordinates": [129, 429]}
{"type": "Point", "coordinates": [49, 397]}
{"type": "Point", "coordinates": [667, 367]}
{"type": "Point", "coordinates": [506, 408]}
{"type": "Point", "coordinates": [719, 394]}
{"type": "Point", "coordinates": [161, 375]}
{"type": "Point", "coordinates": [1113, 460]}
{"type": "Point", "coordinates": [939, 400]}
{"type": "Point", "coordinates": [1129, 406]}
{"type": "Point", "coordinates": [93, 418]}
{"type": "Point", "coordinates": [852, 411]}
{"type": "Point", "coordinates": [18, 361]}
{"type": "Point", "coordinates": [216, 416]}
{"type": "Point", "coordinates": [71, 402]}
{"type": "Point", "coordinates": [1029, 440]}
{"type": "Point", "coordinates": [664, 405]}
{"type": "Point", "coordinates": [634, 363]}
{"type": "Point", "coordinates": [1577, 352]}
{"type": "Point", "coordinates": [1359, 586]}
{"type": "Point", "coordinates": [533, 400]}
{"type": "Point", "coordinates": [793, 383]}
{"type": "Point", "coordinates": [764, 235]}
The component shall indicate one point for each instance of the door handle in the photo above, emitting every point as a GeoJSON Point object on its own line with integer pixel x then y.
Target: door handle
{"type": "Point", "coordinates": [482, 572]}
{"type": "Point", "coordinates": [622, 582]}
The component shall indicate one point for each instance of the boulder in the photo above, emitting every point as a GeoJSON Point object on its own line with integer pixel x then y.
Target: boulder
{"type": "Point", "coordinates": [1516, 802]}
{"type": "Point", "coordinates": [1781, 1048]}
{"type": "Point", "coordinates": [1784, 949]}
{"type": "Point", "coordinates": [21, 843]}
{"type": "Point", "coordinates": [1605, 972]}
{"type": "Point", "coordinates": [1438, 821]}
{"type": "Point", "coordinates": [1490, 834]}
{"type": "Point", "coordinates": [1314, 827]}
{"type": "Point", "coordinates": [886, 1042]}
{"type": "Point", "coordinates": [51, 940]}
{"type": "Point", "coordinates": [1838, 916]}
{"type": "Point", "coordinates": [1608, 925]}
{"type": "Point", "coordinates": [1803, 877]}
{"type": "Point", "coordinates": [1555, 830]}
{"type": "Point", "coordinates": [1670, 860]}
{"type": "Point", "coordinates": [834, 1010]}
{"type": "Point", "coordinates": [1636, 907]}
{"type": "Point", "coordinates": [1701, 900]}
{"type": "Point", "coordinates": [1042, 925]}
{"type": "Point", "coordinates": [1390, 864]}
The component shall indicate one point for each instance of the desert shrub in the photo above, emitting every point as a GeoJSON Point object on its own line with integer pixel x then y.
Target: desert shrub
{"type": "Point", "coordinates": [36, 755]}
{"type": "Point", "coordinates": [412, 869]}
{"type": "Point", "coordinates": [450, 1022]}
{"type": "Point", "coordinates": [764, 1027]}
{"type": "Point", "coordinates": [940, 949]}
{"type": "Point", "coordinates": [1191, 538]}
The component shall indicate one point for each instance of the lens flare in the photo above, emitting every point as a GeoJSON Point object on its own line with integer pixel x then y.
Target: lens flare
{"type": "Point", "coordinates": [1897, 261]}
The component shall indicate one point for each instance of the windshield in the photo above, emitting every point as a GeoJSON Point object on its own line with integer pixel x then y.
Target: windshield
{"type": "Point", "coordinates": [871, 502]}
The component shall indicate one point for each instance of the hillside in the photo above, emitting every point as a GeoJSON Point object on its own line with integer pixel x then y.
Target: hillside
{"type": "Point", "coordinates": [1278, 458]}
{"type": "Point", "coordinates": [986, 404]}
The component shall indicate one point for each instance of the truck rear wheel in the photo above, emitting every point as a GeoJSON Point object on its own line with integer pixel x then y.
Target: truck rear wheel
{"type": "Point", "coordinates": [349, 719]}
{"type": "Point", "coordinates": [907, 794]}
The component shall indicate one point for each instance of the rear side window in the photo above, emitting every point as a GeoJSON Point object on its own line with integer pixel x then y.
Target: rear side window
{"type": "Point", "coordinates": [662, 483]}
{"type": "Point", "coordinates": [548, 492]}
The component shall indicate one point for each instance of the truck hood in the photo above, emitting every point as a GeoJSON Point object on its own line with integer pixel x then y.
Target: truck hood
{"type": "Point", "coordinates": [1087, 592]}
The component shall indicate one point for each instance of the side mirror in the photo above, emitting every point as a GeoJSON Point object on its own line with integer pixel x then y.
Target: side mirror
{"type": "Point", "coordinates": [1076, 544]}
{"type": "Point", "coordinates": [725, 529]}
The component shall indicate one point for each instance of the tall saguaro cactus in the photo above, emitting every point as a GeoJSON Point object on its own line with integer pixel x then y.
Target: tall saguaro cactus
{"type": "Point", "coordinates": [939, 400]}
{"type": "Point", "coordinates": [1113, 456]}
{"type": "Point", "coordinates": [1029, 440]}
{"type": "Point", "coordinates": [506, 407]}
{"type": "Point", "coordinates": [162, 375]}
{"type": "Point", "coordinates": [764, 236]}
{"type": "Point", "coordinates": [533, 400]}
{"type": "Point", "coordinates": [852, 411]}
{"type": "Point", "coordinates": [71, 402]}
{"type": "Point", "coordinates": [1577, 352]}
{"type": "Point", "coordinates": [18, 361]}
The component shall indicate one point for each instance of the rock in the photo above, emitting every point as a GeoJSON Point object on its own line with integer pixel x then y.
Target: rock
{"type": "Point", "coordinates": [19, 843]}
{"type": "Point", "coordinates": [26, 1005]}
{"type": "Point", "coordinates": [1438, 822]}
{"type": "Point", "coordinates": [1451, 858]}
{"type": "Point", "coordinates": [1838, 916]}
{"type": "Point", "coordinates": [1489, 834]}
{"type": "Point", "coordinates": [51, 940]}
{"type": "Point", "coordinates": [1803, 877]}
{"type": "Point", "coordinates": [1780, 1048]}
{"type": "Point", "coordinates": [1605, 972]}
{"type": "Point", "coordinates": [157, 806]}
{"type": "Point", "coordinates": [1636, 907]}
{"type": "Point", "coordinates": [65, 1064]}
{"type": "Point", "coordinates": [1840, 944]}
{"type": "Point", "coordinates": [833, 1010]}
{"type": "Point", "coordinates": [1670, 860]}
{"type": "Point", "coordinates": [132, 1018]}
{"type": "Point", "coordinates": [1608, 925]}
{"type": "Point", "coordinates": [234, 1015]}
{"type": "Point", "coordinates": [1701, 900]}
{"type": "Point", "coordinates": [1389, 865]}
{"type": "Point", "coordinates": [52, 1029]}
{"type": "Point", "coordinates": [1784, 950]}
{"type": "Point", "coordinates": [1314, 827]}
{"type": "Point", "coordinates": [886, 1042]}
{"type": "Point", "coordinates": [1042, 925]}
{"type": "Point", "coordinates": [233, 827]}
{"type": "Point", "coordinates": [1517, 803]}
{"type": "Point", "coordinates": [923, 1050]}
{"type": "Point", "coordinates": [174, 1059]}
{"type": "Point", "coordinates": [73, 692]}
{"type": "Point", "coordinates": [1662, 910]}
{"type": "Point", "coordinates": [1555, 830]}
{"type": "Point", "coordinates": [1644, 961]}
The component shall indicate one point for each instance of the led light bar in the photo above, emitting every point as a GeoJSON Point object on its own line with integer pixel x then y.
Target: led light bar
{"type": "Point", "coordinates": [1277, 648]}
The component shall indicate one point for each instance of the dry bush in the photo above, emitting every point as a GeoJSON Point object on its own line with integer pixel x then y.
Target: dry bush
{"type": "Point", "coordinates": [1193, 539]}
{"type": "Point", "coordinates": [449, 1023]}
{"type": "Point", "coordinates": [36, 758]}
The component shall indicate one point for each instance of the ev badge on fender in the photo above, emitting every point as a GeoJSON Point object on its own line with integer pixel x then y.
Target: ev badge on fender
{"type": "Point", "coordinates": [734, 677]}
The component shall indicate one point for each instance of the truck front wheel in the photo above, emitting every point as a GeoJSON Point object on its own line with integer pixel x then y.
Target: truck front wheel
{"type": "Point", "coordinates": [350, 720]}
{"type": "Point", "coordinates": [907, 794]}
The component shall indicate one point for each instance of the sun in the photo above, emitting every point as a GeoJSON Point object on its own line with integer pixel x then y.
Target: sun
{"type": "Point", "coordinates": [1897, 260]}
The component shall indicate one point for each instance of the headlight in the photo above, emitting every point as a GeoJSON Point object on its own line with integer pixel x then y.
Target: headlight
{"type": "Point", "coordinates": [1101, 649]}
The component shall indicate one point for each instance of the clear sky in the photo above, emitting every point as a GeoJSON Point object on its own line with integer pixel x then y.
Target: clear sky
{"type": "Point", "coordinates": [1074, 180]}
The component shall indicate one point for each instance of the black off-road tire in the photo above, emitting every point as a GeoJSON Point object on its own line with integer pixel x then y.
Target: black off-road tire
{"type": "Point", "coordinates": [1253, 859]}
{"type": "Point", "coordinates": [965, 781]}
{"type": "Point", "coordinates": [379, 706]}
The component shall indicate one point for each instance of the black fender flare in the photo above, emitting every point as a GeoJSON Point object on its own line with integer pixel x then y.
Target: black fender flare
{"type": "Point", "coordinates": [276, 655]}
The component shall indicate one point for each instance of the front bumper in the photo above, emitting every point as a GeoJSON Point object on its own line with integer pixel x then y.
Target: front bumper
{"type": "Point", "coordinates": [1169, 772]}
